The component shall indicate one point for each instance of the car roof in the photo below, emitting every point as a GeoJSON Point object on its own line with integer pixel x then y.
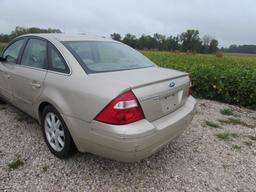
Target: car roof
{"type": "Point", "coordinates": [69, 37]}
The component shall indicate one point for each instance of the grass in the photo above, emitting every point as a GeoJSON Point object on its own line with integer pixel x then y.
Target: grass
{"type": "Point", "coordinates": [227, 112]}
{"type": "Point", "coordinates": [212, 124]}
{"type": "Point", "coordinates": [234, 121]}
{"type": "Point", "coordinates": [226, 136]}
{"type": "Point", "coordinates": [15, 164]}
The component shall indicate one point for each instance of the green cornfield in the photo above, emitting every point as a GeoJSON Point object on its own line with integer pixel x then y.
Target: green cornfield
{"type": "Point", "coordinates": [2, 46]}
{"type": "Point", "coordinates": [229, 78]}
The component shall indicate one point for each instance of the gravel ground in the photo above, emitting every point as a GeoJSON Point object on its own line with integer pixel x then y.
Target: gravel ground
{"type": "Point", "coordinates": [205, 158]}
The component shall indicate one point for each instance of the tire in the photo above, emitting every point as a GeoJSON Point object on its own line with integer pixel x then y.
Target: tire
{"type": "Point", "coordinates": [56, 133]}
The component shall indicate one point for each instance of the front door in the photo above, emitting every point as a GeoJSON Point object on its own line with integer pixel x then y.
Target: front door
{"type": "Point", "coordinates": [11, 54]}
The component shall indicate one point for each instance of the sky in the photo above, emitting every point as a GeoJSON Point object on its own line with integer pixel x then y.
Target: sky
{"type": "Point", "coordinates": [229, 21]}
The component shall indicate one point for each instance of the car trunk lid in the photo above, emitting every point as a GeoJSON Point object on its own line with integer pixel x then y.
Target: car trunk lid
{"type": "Point", "coordinates": [161, 98]}
{"type": "Point", "coordinates": [159, 91]}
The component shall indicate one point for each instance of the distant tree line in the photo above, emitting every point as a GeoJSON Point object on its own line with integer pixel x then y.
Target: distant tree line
{"type": "Point", "coordinates": [188, 41]}
{"type": "Point", "coordinates": [22, 30]}
{"type": "Point", "coordinates": [240, 49]}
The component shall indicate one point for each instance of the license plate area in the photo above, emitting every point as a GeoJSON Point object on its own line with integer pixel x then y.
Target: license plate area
{"type": "Point", "coordinates": [171, 102]}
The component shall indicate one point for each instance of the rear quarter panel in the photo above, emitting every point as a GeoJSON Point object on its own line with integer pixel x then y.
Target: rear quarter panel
{"type": "Point", "coordinates": [81, 97]}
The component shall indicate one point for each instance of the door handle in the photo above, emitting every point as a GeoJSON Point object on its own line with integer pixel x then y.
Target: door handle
{"type": "Point", "coordinates": [36, 85]}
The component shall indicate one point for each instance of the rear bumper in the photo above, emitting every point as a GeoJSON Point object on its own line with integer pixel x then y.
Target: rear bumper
{"type": "Point", "coordinates": [135, 141]}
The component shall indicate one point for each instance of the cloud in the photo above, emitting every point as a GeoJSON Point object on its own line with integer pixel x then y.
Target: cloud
{"type": "Point", "coordinates": [228, 21]}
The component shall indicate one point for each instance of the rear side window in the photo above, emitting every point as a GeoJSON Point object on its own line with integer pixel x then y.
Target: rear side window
{"type": "Point", "coordinates": [56, 61]}
{"type": "Point", "coordinates": [12, 52]}
{"type": "Point", "coordinates": [35, 54]}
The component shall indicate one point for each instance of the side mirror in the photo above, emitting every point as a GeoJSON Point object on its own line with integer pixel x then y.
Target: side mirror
{"type": "Point", "coordinates": [3, 59]}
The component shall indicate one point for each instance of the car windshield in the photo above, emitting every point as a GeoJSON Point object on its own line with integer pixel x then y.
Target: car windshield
{"type": "Point", "coordinates": [99, 56]}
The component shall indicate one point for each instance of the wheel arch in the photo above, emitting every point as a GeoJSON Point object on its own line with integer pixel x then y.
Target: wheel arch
{"type": "Point", "coordinates": [41, 107]}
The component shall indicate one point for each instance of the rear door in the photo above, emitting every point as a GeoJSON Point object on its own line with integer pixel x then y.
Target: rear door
{"type": "Point", "coordinates": [28, 77]}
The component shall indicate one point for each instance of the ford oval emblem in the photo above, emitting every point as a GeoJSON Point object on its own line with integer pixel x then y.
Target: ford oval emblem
{"type": "Point", "coordinates": [172, 84]}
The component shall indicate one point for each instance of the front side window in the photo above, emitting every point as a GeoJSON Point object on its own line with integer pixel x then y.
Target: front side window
{"type": "Point", "coordinates": [56, 61]}
{"type": "Point", "coordinates": [35, 54]}
{"type": "Point", "coordinates": [97, 56]}
{"type": "Point", "coordinates": [12, 52]}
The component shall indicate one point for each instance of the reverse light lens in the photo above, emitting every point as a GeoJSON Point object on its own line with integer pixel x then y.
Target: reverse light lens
{"type": "Point", "coordinates": [126, 104]}
{"type": "Point", "coordinates": [122, 110]}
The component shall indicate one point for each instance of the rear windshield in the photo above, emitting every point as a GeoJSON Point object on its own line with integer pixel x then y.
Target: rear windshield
{"type": "Point", "coordinates": [97, 56]}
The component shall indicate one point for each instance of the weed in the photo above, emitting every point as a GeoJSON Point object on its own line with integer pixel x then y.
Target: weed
{"type": "Point", "coordinates": [15, 164]}
{"type": "Point", "coordinates": [227, 112]}
{"type": "Point", "coordinates": [234, 121]}
{"type": "Point", "coordinates": [226, 136]}
{"type": "Point", "coordinates": [236, 147]}
{"type": "Point", "coordinates": [211, 124]}
{"type": "Point", "coordinates": [45, 168]}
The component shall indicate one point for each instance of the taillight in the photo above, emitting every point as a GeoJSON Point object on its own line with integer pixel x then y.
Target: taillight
{"type": "Point", "coordinates": [122, 110]}
{"type": "Point", "coordinates": [190, 87]}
